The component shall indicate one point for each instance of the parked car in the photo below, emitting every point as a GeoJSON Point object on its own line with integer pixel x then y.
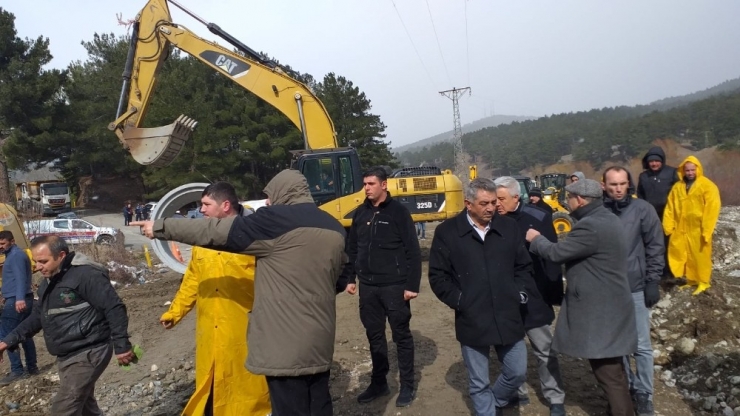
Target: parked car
{"type": "Point", "coordinates": [148, 208]}
{"type": "Point", "coordinates": [74, 231]}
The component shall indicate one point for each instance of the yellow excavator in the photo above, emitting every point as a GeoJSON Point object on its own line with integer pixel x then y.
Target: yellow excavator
{"type": "Point", "coordinates": [334, 174]}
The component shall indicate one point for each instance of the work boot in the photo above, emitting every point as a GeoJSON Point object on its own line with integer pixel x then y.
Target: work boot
{"type": "Point", "coordinates": [372, 392]}
{"type": "Point", "coordinates": [33, 371]}
{"type": "Point", "coordinates": [643, 404]}
{"type": "Point", "coordinates": [557, 409]}
{"type": "Point", "coordinates": [521, 400]}
{"type": "Point", "coordinates": [700, 288]}
{"type": "Point", "coordinates": [5, 381]}
{"type": "Point", "coordinates": [406, 396]}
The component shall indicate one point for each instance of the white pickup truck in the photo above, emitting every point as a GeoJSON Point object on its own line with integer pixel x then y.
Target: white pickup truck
{"type": "Point", "coordinates": [74, 231]}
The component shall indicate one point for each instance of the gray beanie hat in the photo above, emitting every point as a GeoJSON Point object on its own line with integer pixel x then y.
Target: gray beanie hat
{"type": "Point", "coordinates": [586, 187]}
{"type": "Point", "coordinates": [578, 174]}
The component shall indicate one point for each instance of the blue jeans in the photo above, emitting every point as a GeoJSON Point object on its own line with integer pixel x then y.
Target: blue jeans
{"type": "Point", "coordinates": [421, 230]}
{"type": "Point", "coordinates": [8, 322]}
{"type": "Point", "coordinates": [513, 359]}
{"type": "Point", "coordinates": [642, 380]}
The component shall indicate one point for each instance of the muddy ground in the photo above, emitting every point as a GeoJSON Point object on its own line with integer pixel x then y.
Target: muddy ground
{"type": "Point", "coordinates": [440, 373]}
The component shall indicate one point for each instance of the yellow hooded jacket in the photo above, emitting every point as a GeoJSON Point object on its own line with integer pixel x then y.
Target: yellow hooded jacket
{"type": "Point", "coordinates": [689, 219]}
{"type": "Point", "coordinates": [222, 284]}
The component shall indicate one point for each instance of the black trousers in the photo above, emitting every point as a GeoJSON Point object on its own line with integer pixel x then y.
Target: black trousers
{"type": "Point", "coordinates": [301, 395]}
{"type": "Point", "coordinates": [378, 303]}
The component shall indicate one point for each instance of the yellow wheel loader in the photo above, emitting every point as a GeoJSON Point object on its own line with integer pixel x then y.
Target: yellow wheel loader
{"type": "Point", "coordinates": [430, 195]}
{"type": "Point", "coordinates": [553, 193]}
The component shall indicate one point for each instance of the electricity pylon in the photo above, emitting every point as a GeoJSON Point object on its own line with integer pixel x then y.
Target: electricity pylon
{"type": "Point", "coordinates": [460, 169]}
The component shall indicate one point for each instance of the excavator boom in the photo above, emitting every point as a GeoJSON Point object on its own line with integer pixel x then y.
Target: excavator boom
{"type": "Point", "coordinates": [152, 37]}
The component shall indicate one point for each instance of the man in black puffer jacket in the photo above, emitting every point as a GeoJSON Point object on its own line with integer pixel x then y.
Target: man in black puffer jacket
{"type": "Point", "coordinates": [384, 253]}
{"type": "Point", "coordinates": [654, 185]}
{"type": "Point", "coordinates": [83, 320]}
{"type": "Point", "coordinates": [656, 180]}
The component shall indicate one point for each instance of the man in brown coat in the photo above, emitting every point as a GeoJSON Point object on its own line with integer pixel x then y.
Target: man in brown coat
{"type": "Point", "coordinates": [293, 321]}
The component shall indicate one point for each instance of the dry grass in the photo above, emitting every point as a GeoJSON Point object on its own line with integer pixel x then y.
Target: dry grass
{"type": "Point", "coordinates": [116, 253]}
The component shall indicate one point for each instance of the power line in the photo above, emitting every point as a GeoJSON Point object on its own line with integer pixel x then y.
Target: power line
{"type": "Point", "coordinates": [467, 43]}
{"type": "Point", "coordinates": [412, 42]}
{"type": "Point", "coordinates": [438, 45]}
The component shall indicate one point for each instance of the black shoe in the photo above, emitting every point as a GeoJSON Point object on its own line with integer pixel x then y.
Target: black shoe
{"type": "Point", "coordinates": [372, 392]}
{"type": "Point", "coordinates": [522, 400]}
{"type": "Point", "coordinates": [33, 371]}
{"type": "Point", "coordinates": [557, 409]}
{"type": "Point", "coordinates": [7, 380]}
{"type": "Point", "coordinates": [406, 396]}
{"type": "Point", "coordinates": [643, 405]}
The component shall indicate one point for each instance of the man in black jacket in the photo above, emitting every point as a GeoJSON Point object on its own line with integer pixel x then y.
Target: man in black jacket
{"type": "Point", "coordinates": [479, 266]}
{"type": "Point", "coordinates": [548, 291]}
{"type": "Point", "coordinates": [655, 183]}
{"type": "Point", "coordinates": [535, 199]}
{"type": "Point", "coordinates": [84, 322]}
{"type": "Point", "coordinates": [656, 180]}
{"type": "Point", "coordinates": [384, 254]}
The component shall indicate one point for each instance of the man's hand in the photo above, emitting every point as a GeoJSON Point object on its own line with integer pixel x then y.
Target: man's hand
{"type": "Point", "coordinates": [532, 234]}
{"type": "Point", "coordinates": [408, 295]}
{"type": "Point", "coordinates": [3, 347]}
{"type": "Point", "coordinates": [147, 228]}
{"type": "Point", "coordinates": [351, 288]}
{"type": "Point", "coordinates": [20, 306]}
{"type": "Point", "coordinates": [652, 294]}
{"type": "Point", "coordinates": [125, 358]}
{"type": "Point", "coordinates": [167, 323]}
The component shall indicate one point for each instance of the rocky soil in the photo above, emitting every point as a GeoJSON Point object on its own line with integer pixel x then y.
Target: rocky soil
{"type": "Point", "coordinates": [696, 340]}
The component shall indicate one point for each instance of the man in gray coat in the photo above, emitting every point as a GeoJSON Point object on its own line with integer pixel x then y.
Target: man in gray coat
{"type": "Point", "coordinates": [293, 322]}
{"type": "Point", "coordinates": [597, 317]}
{"type": "Point", "coordinates": [645, 261]}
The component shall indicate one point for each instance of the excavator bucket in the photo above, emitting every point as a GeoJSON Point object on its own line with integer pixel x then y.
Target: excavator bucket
{"type": "Point", "coordinates": [158, 146]}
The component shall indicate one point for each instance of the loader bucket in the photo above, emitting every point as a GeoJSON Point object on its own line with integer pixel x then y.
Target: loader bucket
{"type": "Point", "coordinates": [158, 146]}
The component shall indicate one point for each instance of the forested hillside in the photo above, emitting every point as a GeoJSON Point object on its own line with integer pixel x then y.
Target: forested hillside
{"type": "Point", "coordinates": [598, 135]}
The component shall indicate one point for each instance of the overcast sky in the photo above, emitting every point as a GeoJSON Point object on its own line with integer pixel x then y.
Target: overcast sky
{"type": "Point", "coordinates": [529, 58]}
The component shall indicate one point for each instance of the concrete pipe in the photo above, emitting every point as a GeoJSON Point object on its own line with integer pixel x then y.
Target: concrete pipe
{"type": "Point", "coordinates": [166, 207]}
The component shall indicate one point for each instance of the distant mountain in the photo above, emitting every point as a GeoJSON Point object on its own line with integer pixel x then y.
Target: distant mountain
{"type": "Point", "coordinates": [726, 87]}
{"type": "Point", "coordinates": [491, 121]}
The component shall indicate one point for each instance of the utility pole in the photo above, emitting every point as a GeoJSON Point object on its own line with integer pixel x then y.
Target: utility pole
{"type": "Point", "coordinates": [461, 170]}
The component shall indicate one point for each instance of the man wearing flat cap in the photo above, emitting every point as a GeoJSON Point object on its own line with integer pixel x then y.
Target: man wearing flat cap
{"type": "Point", "coordinates": [597, 316]}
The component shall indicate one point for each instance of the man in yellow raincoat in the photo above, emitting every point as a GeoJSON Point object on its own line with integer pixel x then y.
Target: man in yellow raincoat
{"type": "Point", "coordinates": [222, 284]}
{"type": "Point", "coordinates": [689, 220]}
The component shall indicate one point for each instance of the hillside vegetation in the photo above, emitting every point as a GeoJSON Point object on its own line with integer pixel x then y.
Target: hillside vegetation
{"type": "Point", "coordinates": [598, 136]}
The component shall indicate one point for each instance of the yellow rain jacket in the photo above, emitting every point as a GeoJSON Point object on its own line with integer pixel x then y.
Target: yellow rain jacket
{"type": "Point", "coordinates": [689, 219]}
{"type": "Point", "coordinates": [222, 284]}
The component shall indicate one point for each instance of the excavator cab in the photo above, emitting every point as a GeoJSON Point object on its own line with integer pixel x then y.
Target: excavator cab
{"type": "Point", "coordinates": [331, 175]}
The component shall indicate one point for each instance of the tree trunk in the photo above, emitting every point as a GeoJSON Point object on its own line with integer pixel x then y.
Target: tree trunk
{"type": "Point", "coordinates": [5, 194]}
